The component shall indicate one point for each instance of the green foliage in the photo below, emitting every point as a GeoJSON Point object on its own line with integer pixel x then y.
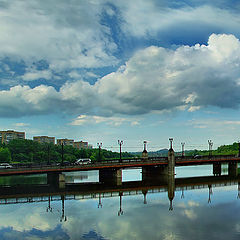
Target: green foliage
{"type": "Point", "coordinates": [70, 157]}
{"type": "Point", "coordinates": [222, 150]}
{"type": "Point", "coordinates": [228, 149]}
{"type": "Point", "coordinates": [27, 151]}
{"type": "Point", "coordinates": [5, 155]}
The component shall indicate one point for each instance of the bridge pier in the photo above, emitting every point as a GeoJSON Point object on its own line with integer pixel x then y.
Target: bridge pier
{"type": "Point", "coordinates": [232, 169]}
{"type": "Point", "coordinates": [154, 173]}
{"type": "Point", "coordinates": [217, 169]}
{"type": "Point", "coordinates": [110, 176]}
{"type": "Point", "coordinates": [171, 190]}
{"type": "Point", "coordinates": [56, 180]}
{"type": "Point", "coordinates": [145, 153]}
{"type": "Point", "coordinates": [171, 162]}
{"type": "Point", "coordinates": [160, 173]}
{"type": "Point", "coordinates": [171, 177]}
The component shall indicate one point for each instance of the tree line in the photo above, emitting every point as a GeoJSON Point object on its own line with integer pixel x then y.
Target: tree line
{"type": "Point", "coordinates": [232, 149]}
{"type": "Point", "coordinates": [29, 151]}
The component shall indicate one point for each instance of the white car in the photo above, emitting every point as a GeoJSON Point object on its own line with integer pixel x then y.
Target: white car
{"type": "Point", "coordinates": [5, 165]}
{"type": "Point", "coordinates": [83, 161]}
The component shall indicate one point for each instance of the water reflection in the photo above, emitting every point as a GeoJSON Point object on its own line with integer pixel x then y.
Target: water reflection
{"type": "Point", "coordinates": [49, 208]}
{"type": "Point", "coordinates": [120, 212]}
{"type": "Point", "coordinates": [100, 201]}
{"type": "Point", "coordinates": [18, 194]}
{"type": "Point", "coordinates": [133, 210]}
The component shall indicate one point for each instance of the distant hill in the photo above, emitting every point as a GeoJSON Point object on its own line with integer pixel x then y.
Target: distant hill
{"type": "Point", "coordinates": [158, 153]}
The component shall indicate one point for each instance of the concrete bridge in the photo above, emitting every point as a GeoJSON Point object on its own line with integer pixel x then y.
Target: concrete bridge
{"type": "Point", "coordinates": [111, 171]}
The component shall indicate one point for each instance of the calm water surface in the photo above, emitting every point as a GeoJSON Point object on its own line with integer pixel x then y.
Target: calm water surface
{"type": "Point", "coordinates": [206, 213]}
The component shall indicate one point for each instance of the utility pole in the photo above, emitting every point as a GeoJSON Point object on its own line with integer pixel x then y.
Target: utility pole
{"type": "Point", "coordinates": [99, 151]}
{"type": "Point", "coordinates": [210, 143]}
{"type": "Point", "coordinates": [120, 142]}
{"type": "Point", "coordinates": [183, 143]}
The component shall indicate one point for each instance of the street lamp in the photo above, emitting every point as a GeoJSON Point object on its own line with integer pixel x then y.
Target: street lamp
{"type": "Point", "coordinates": [99, 151]}
{"type": "Point", "coordinates": [238, 148]}
{"type": "Point", "coordinates": [145, 146]}
{"type": "Point", "coordinates": [48, 150]}
{"type": "Point", "coordinates": [183, 143]}
{"type": "Point", "coordinates": [62, 153]}
{"type": "Point", "coordinates": [171, 142]}
{"type": "Point", "coordinates": [210, 143]}
{"type": "Point", "coordinates": [120, 142]}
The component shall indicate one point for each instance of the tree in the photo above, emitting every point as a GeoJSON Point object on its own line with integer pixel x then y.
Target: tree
{"type": "Point", "coordinates": [24, 150]}
{"type": "Point", "coordinates": [5, 155]}
{"type": "Point", "coordinates": [69, 157]}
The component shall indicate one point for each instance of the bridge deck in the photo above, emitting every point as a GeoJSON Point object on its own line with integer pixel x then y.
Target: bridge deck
{"type": "Point", "coordinates": [116, 164]}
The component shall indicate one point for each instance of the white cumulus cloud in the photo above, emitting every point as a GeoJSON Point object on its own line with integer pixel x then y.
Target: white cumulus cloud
{"type": "Point", "coordinates": [34, 75]}
{"type": "Point", "coordinates": [154, 79]}
{"type": "Point", "coordinates": [65, 34]}
{"type": "Point", "coordinates": [115, 121]}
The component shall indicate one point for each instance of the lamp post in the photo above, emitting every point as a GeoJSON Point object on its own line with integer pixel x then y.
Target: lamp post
{"type": "Point", "coordinates": [99, 151]}
{"type": "Point", "coordinates": [120, 142]}
{"type": "Point", "coordinates": [145, 146]}
{"type": "Point", "coordinates": [171, 142]}
{"type": "Point", "coordinates": [210, 143]}
{"type": "Point", "coordinates": [183, 143]}
{"type": "Point", "coordinates": [62, 152]}
{"type": "Point", "coordinates": [238, 148]}
{"type": "Point", "coordinates": [48, 150]}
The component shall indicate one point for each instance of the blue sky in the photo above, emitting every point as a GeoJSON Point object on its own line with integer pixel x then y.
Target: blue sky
{"type": "Point", "coordinates": [100, 71]}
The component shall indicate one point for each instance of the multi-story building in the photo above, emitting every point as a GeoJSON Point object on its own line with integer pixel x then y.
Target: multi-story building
{"type": "Point", "coordinates": [81, 145]}
{"type": "Point", "coordinates": [65, 142]}
{"type": "Point", "coordinates": [7, 136]}
{"type": "Point", "coordinates": [44, 139]}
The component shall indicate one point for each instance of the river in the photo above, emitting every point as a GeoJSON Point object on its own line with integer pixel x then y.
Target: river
{"type": "Point", "coordinates": [199, 211]}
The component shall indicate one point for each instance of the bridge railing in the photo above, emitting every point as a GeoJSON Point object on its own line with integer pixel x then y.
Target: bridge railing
{"type": "Point", "coordinates": [206, 158]}
{"type": "Point", "coordinates": [45, 165]}
{"type": "Point", "coordinates": [132, 160]}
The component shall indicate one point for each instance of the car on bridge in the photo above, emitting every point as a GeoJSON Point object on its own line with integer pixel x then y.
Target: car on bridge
{"type": "Point", "coordinates": [81, 161]}
{"type": "Point", "coordinates": [5, 165]}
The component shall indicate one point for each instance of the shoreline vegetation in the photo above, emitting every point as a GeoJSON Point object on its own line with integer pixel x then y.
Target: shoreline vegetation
{"type": "Point", "coordinates": [29, 151]}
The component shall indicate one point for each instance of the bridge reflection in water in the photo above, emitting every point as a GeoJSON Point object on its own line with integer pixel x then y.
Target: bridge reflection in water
{"type": "Point", "coordinates": [48, 193]}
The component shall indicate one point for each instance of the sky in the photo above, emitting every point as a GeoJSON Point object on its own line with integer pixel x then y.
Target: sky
{"type": "Point", "coordinates": [107, 70]}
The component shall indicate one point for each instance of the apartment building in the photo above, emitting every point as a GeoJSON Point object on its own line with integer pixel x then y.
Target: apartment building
{"type": "Point", "coordinates": [7, 136]}
{"type": "Point", "coordinates": [81, 145]}
{"type": "Point", "coordinates": [65, 142]}
{"type": "Point", "coordinates": [44, 139]}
